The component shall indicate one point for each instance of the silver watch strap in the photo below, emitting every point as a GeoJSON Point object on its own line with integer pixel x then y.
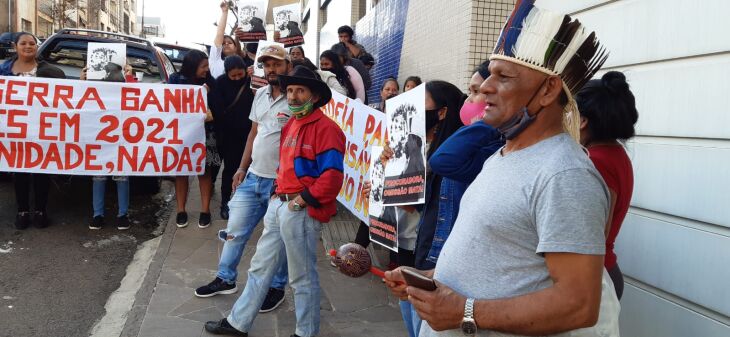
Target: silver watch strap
{"type": "Point", "coordinates": [469, 308]}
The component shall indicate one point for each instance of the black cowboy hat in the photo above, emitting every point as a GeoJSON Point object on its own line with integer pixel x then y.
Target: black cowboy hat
{"type": "Point", "coordinates": [303, 76]}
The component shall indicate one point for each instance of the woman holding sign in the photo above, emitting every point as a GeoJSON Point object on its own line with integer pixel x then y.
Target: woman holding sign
{"type": "Point", "coordinates": [25, 63]}
{"type": "Point", "coordinates": [223, 45]}
{"type": "Point", "coordinates": [195, 71]}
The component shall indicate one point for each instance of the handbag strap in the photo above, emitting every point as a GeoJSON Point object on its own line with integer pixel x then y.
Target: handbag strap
{"type": "Point", "coordinates": [235, 100]}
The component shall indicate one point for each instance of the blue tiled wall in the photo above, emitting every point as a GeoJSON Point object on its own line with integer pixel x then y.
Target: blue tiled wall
{"type": "Point", "coordinates": [381, 33]}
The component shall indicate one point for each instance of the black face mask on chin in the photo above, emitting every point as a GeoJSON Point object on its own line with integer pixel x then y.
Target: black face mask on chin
{"type": "Point", "coordinates": [432, 118]}
{"type": "Point", "coordinates": [521, 120]}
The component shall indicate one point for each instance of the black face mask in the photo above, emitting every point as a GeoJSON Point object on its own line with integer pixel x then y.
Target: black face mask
{"type": "Point", "coordinates": [432, 118]}
{"type": "Point", "coordinates": [520, 121]}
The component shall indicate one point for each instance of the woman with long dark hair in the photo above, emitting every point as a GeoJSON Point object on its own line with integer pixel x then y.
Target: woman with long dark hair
{"type": "Point", "coordinates": [194, 71]}
{"type": "Point", "coordinates": [608, 114]}
{"type": "Point", "coordinates": [346, 75]}
{"type": "Point", "coordinates": [411, 82]}
{"type": "Point", "coordinates": [231, 105]}
{"type": "Point", "coordinates": [223, 45]}
{"type": "Point", "coordinates": [25, 63]}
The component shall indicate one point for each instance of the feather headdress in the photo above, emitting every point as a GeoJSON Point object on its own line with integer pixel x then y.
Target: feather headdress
{"type": "Point", "coordinates": [553, 44]}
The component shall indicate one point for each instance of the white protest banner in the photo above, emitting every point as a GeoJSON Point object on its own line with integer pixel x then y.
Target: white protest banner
{"type": "Point", "coordinates": [106, 61]}
{"type": "Point", "coordinates": [363, 127]}
{"type": "Point", "coordinates": [252, 20]}
{"type": "Point", "coordinates": [405, 173]}
{"type": "Point", "coordinates": [101, 128]}
{"type": "Point", "coordinates": [259, 80]}
{"type": "Point", "coordinates": [286, 22]}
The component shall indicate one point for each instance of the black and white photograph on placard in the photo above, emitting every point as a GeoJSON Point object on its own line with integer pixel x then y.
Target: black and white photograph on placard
{"type": "Point", "coordinates": [258, 80]}
{"type": "Point", "coordinates": [252, 20]}
{"type": "Point", "coordinates": [106, 61]}
{"type": "Point", "coordinates": [405, 173]}
{"type": "Point", "coordinates": [287, 20]}
{"type": "Point", "coordinates": [382, 220]}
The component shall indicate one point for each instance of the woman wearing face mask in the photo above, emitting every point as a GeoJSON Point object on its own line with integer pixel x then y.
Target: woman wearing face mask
{"type": "Point", "coordinates": [223, 45]}
{"type": "Point", "coordinates": [26, 64]}
{"type": "Point", "coordinates": [389, 90]}
{"type": "Point", "coordinates": [347, 75]}
{"type": "Point", "coordinates": [608, 114]}
{"type": "Point", "coordinates": [194, 71]}
{"type": "Point", "coordinates": [231, 105]}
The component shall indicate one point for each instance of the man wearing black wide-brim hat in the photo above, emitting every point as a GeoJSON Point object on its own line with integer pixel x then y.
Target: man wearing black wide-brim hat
{"type": "Point", "coordinates": [307, 184]}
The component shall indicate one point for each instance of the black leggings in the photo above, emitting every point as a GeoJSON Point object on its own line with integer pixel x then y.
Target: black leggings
{"type": "Point", "coordinates": [618, 280]}
{"type": "Point", "coordinates": [40, 182]}
{"type": "Point", "coordinates": [231, 161]}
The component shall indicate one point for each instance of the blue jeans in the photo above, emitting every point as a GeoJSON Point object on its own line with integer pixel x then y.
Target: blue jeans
{"type": "Point", "coordinates": [99, 189]}
{"type": "Point", "coordinates": [410, 318]}
{"type": "Point", "coordinates": [288, 236]}
{"type": "Point", "coordinates": [246, 208]}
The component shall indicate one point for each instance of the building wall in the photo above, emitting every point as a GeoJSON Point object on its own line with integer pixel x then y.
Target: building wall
{"type": "Point", "coordinates": [674, 245]}
{"type": "Point", "coordinates": [381, 31]}
{"type": "Point", "coordinates": [26, 10]}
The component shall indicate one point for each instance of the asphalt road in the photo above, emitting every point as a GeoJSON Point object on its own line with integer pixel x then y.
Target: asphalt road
{"type": "Point", "coordinates": [56, 281]}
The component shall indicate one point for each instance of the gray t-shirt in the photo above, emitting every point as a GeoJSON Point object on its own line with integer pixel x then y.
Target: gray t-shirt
{"type": "Point", "coordinates": [270, 115]}
{"type": "Point", "coordinates": [544, 198]}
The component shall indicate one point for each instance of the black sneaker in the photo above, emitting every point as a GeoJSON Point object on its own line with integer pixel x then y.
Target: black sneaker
{"type": "Point", "coordinates": [224, 212]}
{"type": "Point", "coordinates": [204, 220]}
{"type": "Point", "coordinates": [217, 287]}
{"type": "Point", "coordinates": [22, 220]}
{"type": "Point", "coordinates": [97, 222]}
{"type": "Point", "coordinates": [273, 299]}
{"type": "Point", "coordinates": [123, 222]}
{"type": "Point", "coordinates": [40, 220]}
{"type": "Point", "coordinates": [222, 327]}
{"type": "Point", "coordinates": [182, 220]}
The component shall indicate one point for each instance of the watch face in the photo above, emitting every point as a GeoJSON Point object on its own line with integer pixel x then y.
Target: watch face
{"type": "Point", "coordinates": [469, 327]}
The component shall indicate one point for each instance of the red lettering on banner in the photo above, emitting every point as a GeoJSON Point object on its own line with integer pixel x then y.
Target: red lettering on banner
{"type": "Point", "coordinates": [369, 127]}
{"type": "Point", "coordinates": [172, 97]}
{"type": "Point", "coordinates": [52, 155]}
{"type": "Point", "coordinates": [63, 93]}
{"type": "Point", "coordinates": [12, 91]}
{"type": "Point", "coordinates": [79, 156]}
{"type": "Point", "coordinates": [23, 127]}
{"type": "Point", "coordinates": [185, 163]}
{"type": "Point", "coordinates": [188, 100]}
{"type": "Point", "coordinates": [126, 157]}
{"type": "Point", "coordinates": [9, 154]}
{"type": "Point", "coordinates": [200, 102]}
{"type": "Point", "coordinates": [39, 95]}
{"type": "Point", "coordinates": [30, 150]}
{"type": "Point", "coordinates": [150, 99]}
{"type": "Point", "coordinates": [90, 156]}
{"type": "Point", "coordinates": [149, 158]}
{"type": "Point", "coordinates": [169, 165]}
{"type": "Point", "coordinates": [73, 122]}
{"type": "Point", "coordinates": [130, 99]}
{"type": "Point", "coordinates": [44, 125]}
{"type": "Point", "coordinates": [91, 94]}
{"type": "Point", "coordinates": [350, 121]}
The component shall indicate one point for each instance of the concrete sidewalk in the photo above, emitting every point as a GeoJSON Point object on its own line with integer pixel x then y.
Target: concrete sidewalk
{"type": "Point", "coordinates": [188, 258]}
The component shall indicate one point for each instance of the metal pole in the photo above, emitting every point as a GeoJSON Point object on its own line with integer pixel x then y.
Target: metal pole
{"type": "Point", "coordinates": [142, 33]}
{"type": "Point", "coordinates": [78, 18]}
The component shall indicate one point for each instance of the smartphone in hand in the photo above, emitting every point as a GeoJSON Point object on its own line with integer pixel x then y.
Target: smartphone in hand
{"type": "Point", "coordinates": [415, 279]}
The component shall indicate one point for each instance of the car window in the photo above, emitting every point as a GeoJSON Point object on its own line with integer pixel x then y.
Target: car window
{"type": "Point", "coordinates": [70, 56]}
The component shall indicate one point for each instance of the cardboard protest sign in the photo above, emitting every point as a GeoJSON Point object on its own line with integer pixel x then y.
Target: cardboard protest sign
{"type": "Point", "coordinates": [106, 61]}
{"type": "Point", "coordinates": [382, 220]}
{"type": "Point", "coordinates": [405, 173]}
{"type": "Point", "coordinates": [252, 20]}
{"type": "Point", "coordinates": [287, 20]}
{"type": "Point", "coordinates": [259, 80]}
{"type": "Point", "coordinates": [101, 128]}
{"type": "Point", "coordinates": [363, 127]}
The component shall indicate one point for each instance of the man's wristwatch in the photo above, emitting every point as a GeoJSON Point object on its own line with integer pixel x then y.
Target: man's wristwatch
{"type": "Point", "coordinates": [468, 325]}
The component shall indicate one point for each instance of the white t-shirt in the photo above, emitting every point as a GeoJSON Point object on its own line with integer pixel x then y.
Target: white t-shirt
{"type": "Point", "coordinates": [215, 62]}
{"type": "Point", "coordinates": [270, 115]}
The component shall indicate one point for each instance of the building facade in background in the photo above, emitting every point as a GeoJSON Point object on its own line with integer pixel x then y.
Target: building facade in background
{"type": "Point", "coordinates": [423, 38]}
{"type": "Point", "coordinates": [44, 17]}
